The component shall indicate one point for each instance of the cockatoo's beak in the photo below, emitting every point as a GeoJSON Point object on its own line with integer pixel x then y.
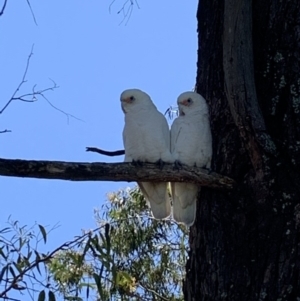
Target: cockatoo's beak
{"type": "Point", "coordinates": [184, 102]}
{"type": "Point", "coordinates": [127, 100]}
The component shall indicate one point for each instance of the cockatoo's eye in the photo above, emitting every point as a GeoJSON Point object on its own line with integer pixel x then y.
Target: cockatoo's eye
{"type": "Point", "coordinates": [189, 100]}
{"type": "Point", "coordinates": [132, 98]}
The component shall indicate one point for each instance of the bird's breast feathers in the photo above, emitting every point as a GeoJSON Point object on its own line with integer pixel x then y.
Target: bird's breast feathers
{"type": "Point", "coordinates": [191, 142]}
{"type": "Point", "coordinates": [146, 138]}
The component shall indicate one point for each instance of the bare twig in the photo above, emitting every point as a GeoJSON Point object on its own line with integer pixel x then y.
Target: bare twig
{"type": "Point", "coordinates": [3, 8]}
{"type": "Point", "coordinates": [126, 12]}
{"type": "Point", "coordinates": [106, 153]}
{"type": "Point", "coordinates": [109, 8]}
{"type": "Point", "coordinates": [56, 108]}
{"type": "Point", "coordinates": [33, 96]}
{"type": "Point", "coordinates": [5, 131]}
{"type": "Point", "coordinates": [32, 13]}
{"type": "Point", "coordinates": [30, 7]}
{"type": "Point", "coordinates": [171, 111]}
{"type": "Point", "coordinates": [12, 299]}
{"type": "Point", "coordinates": [126, 9]}
{"type": "Point", "coordinates": [21, 83]}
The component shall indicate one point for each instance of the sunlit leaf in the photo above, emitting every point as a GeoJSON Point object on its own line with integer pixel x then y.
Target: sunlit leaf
{"type": "Point", "coordinates": [17, 266]}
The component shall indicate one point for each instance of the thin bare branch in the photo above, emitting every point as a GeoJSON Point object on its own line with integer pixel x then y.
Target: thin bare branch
{"type": "Point", "coordinates": [126, 9]}
{"type": "Point", "coordinates": [3, 8]}
{"type": "Point", "coordinates": [32, 13]}
{"type": "Point", "coordinates": [33, 96]}
{"type": "Point", "coordinates": [21, 83]}
{"type": "Point", "coordinates": [111, 4]}
{"type": "Point", "coordinates": [125, 171]}
{"type": "Point", "coordinates": [12, 299]}
{"type": "Point", "coordinates": [171, 112]}
{"type": "Point", "coordinates": [56, 108]}
{"type": "Point", "coordinates": [5, 131]}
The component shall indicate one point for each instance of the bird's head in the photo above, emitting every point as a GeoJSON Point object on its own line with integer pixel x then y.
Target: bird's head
{"type": "Point", "coordinates": [191, 102]}
{"type": "Point", "coordinates": [132, 99]}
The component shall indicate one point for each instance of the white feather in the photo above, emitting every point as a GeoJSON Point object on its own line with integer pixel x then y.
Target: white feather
{"type": "Point", "coordinates": [191, 144]}
{"type": "Point", "coordinates": [146, 138]}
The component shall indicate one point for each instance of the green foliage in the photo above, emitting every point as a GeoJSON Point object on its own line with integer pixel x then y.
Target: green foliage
{"type": "Point", "coordinates": [20, 260]}
{"type": "Point", "coordinates": [131, 257]}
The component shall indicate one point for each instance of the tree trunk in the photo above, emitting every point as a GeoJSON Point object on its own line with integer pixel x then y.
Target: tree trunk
{"type": "Point", "coordinates": [245, 242]}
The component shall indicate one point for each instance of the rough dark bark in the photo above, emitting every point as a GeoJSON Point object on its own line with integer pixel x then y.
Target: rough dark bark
{"type": "Point", "coordinates": [76, 171]}
{"type": "Point", "coordinates": [245, 244]}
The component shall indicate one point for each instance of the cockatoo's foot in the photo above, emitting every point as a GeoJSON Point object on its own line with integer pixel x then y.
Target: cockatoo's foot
{"type": "Point", "coordinates": [177, 165]}
{"type": "Point", "coordinates": [160, 163]}
{"type": "Point", "coordinates": [137, 163]}
{"type": "Point", "coordinates": [208, 169]}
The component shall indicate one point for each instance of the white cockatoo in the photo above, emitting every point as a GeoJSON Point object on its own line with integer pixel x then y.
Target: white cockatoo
{"type": "Point", "coordinates": [146, 138]}
{"type": "Point", "coordinates": [191, 144]}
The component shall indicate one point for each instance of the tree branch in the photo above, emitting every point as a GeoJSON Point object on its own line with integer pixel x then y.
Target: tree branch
{"type": "Point", "coordinates": [32, 13]}
{"type": "Point", "coordinates": [106, 153]}
{"type": "Point", "coordinates": [5, 131]}
{"type": "Point", "coordinates": [76, 171]}
{"type": "Point", "coordinates": [126, 9]}
{"type": "Point", "coordinates": [28, 97]}
{"type": "Point", "coordinates": [3, 8]}
{"type": "Point", "coordinates": [21, 83]}
{"type": "Point", "coordinates": [33, 96]}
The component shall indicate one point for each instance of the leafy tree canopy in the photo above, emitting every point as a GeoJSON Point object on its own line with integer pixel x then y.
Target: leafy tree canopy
{"type": "Point", "coordinates": [129, 256]}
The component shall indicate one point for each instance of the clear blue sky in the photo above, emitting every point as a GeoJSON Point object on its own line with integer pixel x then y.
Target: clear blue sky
{"type": "Point", "coordinates": [85, 50]}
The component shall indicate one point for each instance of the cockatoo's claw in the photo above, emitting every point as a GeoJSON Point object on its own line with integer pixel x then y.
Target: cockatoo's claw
{"type": "Point", "coordinates": [177, 165]}
{"type": "Point", "coordinates": [137, 163]}
{"type": "Point", "coordinates": [160, 163]}
{"type": "Point", "coordinates": [208, 169]}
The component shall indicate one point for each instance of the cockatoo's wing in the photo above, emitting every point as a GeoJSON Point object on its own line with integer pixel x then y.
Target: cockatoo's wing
{"type": "Point", "coordinates": [191, 145]}
{"type": "Point", "coordinates": [184, 202]}
{"type": "Point", "coordinates": [146, 138]}
{"type": "Point", "coordinates": [184, 195]}
{"type": "Point", "coordinates": [157, 195]}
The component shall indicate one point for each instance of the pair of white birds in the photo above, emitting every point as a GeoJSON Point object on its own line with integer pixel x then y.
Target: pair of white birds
{"type": "Point", "coordinates": [147, 138]}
